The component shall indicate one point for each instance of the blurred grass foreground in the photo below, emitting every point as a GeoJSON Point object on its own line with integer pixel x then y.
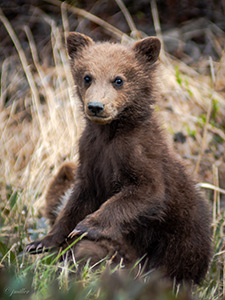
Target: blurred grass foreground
{"type": "Point", "coordinates": [40, 125]}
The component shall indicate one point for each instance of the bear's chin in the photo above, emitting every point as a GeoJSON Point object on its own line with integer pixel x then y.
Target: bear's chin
{"type": "Point", "coordinates": [100, 120]}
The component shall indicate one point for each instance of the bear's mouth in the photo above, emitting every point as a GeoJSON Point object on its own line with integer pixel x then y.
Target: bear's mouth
{"type": "Point", "coordinates": [100, 114]}
{"type": "Point", "coordinates": [100, 119]}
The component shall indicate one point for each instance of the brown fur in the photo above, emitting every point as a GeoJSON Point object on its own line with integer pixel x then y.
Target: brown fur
{"type": "Point", "coordinates": [58, 188]}
{"type": "Point", "coordinates": [132, 195]}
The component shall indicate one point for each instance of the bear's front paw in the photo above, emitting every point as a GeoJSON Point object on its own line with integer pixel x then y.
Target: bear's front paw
{"type": "Point", "coordinates": [91, 233]}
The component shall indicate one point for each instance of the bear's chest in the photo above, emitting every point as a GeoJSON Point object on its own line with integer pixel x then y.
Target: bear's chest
{"type": "Point", "coordinates": [101, 165]}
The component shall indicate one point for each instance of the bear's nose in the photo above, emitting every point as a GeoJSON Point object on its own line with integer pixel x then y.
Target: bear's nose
{"type": "Point", "coordinates": [95, 107]}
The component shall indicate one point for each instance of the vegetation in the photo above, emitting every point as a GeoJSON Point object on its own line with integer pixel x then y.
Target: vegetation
{"type": "Point", "coordinates": [39, 129]}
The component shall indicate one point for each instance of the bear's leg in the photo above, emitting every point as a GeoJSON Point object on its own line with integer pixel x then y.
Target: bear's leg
{"type": "Point", "coordinates": [96, 251]}
{"type": "Point", "coordinates": [187, 259]}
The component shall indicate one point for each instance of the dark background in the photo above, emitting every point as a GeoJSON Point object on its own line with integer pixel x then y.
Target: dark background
{"type": "Point", "coordinates": [185, 21]}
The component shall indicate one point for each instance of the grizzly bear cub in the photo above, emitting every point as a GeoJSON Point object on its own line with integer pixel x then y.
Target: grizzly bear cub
{"type": "Point", "coordinates": [60, 190]}
{"type": "Point", "coordinates": [131, 194]}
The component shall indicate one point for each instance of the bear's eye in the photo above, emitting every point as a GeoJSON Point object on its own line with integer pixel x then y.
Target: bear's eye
{"type": "Point", "coordinates": [87, 79]}
{"type": "Point", "coordinates": [118, 82]}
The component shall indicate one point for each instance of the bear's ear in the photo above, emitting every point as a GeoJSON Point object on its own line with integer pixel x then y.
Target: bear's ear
{"type": "Point", "coordinates": [147, 49]}
{"type": "Point", "coordinates": [76, 42]}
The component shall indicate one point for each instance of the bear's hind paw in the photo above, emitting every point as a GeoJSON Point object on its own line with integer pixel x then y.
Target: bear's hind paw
{"type": "Point", "coordinates": [36, 247]}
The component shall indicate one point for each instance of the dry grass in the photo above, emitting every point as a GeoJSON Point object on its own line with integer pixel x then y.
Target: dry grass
{"type": "Point", "coordinates": [37, 137]}
{"type": "Point", "coordinates": [40, 125]}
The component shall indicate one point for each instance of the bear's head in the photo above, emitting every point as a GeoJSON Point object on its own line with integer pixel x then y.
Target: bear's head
{"type": "Point", "coordinates": [113, 81]}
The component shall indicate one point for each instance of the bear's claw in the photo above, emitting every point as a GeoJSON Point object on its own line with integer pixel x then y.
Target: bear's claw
{"type": "Point", "coordinates": [35, 248]}
{"type": "Point", "coordinates": [74, 233]}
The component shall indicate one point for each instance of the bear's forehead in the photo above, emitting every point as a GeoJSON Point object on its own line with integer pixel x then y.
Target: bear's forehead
{"type": "Point", "coordinates": [107, 57]}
